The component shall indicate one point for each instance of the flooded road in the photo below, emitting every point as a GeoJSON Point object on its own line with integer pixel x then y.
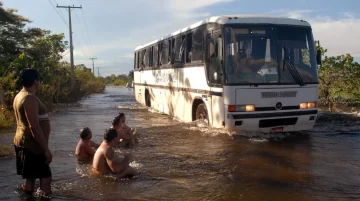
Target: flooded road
{"type": "Point", "coordinates": [179, 161]}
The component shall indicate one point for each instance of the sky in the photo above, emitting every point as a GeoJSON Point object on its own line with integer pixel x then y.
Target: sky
{"type": "Point", "coordinates": [110, 30]}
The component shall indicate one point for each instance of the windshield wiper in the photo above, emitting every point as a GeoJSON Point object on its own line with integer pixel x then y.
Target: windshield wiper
{"type": "Point", "coordinates": [292, 69]}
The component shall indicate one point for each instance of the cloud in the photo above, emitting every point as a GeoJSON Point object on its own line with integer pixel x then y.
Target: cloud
{"type": "Point", "coordinates": [126, 56]}
{"type": "Point", "coordinates": [191, 5]}
{"type": "Point", "coordinates": [178, 14]}
{"type": "Point", "coordinates": [338, 35]}
{"type": "Point", "coordinates": [186, 9]}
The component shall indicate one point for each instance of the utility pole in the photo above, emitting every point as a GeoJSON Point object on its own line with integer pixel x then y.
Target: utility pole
{"type": "Point", "coordinates": [93, 64]}
{"type": "Point", "coordinates": [71, 43]}
{"type": "Point", "coordinates": [98, 71]}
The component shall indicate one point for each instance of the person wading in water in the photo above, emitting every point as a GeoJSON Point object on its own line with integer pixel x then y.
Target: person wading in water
{"type": "Point", "coordinates": [105, 160]}
{"type": "Point", "coordinates": [84, 149]}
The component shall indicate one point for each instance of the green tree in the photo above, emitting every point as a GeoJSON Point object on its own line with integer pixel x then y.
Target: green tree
{"type": "Point", "coordinates": [22, 47]}
{"type": "Point", "coordinates": [131, 75]}
{"type": "Point", "coordinates": [119, 80]}
{"type": "Point", "coordinates": [339, 79]}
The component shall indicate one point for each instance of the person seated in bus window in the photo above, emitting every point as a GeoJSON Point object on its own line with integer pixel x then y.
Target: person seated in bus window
{"type": "Point", "coordinates": [84, 148]}
{"type": "Point", "coordinates": [125, 139]}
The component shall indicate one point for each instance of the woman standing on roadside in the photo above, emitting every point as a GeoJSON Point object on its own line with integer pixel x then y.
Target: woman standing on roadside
{"type": "Point", "coordinates": [32, 136]}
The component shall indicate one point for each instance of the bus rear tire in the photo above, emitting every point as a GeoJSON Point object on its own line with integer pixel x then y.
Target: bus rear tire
{"type": "Point", "coordinates": [201, 113]}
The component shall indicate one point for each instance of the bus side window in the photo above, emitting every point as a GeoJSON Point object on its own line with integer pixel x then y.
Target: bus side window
{"type": "Point", "coordinates": [219, 48]}
{"type": "Point", "coordinates": [197, 45]}
{"type": "Point", "coordinates": [160, 46]}
{"type": "Point", "coordinates": [146, 58]}
{"type": "Point", "coordinates": [165, 52]}
{"type": "Point", "coordinates": [188, 56]}
{"type": "Point", "coordinates": [135, 61]}
{"type": "Point", "coordinates": [210, 47]}
{"type": "Point", "coordinates": [143, 58]}
{"type": "Point", "coordinates": [214, 59]}
{"type": "Point", "coordinates": [138, 60]}
{"type": "Point", "coordinates": [151, 63]}
{"type": "Point", "coordinates": [172, 51]}
{"type": "Point", "coordinates": [176, 55]}
{"type": "Point", "coordinates": [155, 56]}
{"type": "Point", "coordinates": [180, 51]}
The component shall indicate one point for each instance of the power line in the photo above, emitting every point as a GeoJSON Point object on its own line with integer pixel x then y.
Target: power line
{"type": "Point", "coordinates": [91, 50]}
{"type": "Point", "coordinates": [87, 32]}
{"type": "Point", "coordinates": [74, 34]}
{"type": "Point", "coordinates": [93, 64]}
{"type": "Point", "coordinates": [61, 16]}
{"type": "Point", "coordinates": [81, 48]}
{"type": "Point", "coordinates": [83, 36]}
{"type": "Point", "coordinates": [86, 29]}
{"type": "Point", "coordinates": [71, 43]}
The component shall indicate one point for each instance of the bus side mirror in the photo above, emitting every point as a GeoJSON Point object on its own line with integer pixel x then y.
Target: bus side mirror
{"type": "Point", "coordinates": [318, 57]}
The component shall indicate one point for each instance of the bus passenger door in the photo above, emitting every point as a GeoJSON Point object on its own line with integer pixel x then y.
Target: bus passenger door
{"type": "Point", "coordinates": [214, 72]}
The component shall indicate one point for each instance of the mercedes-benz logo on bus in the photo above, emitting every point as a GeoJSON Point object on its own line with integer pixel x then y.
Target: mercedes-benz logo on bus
{"type": "Point", "coordinates": [278, 106]}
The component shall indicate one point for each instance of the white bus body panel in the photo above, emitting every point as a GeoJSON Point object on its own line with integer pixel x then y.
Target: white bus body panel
{"type": "Point", "coordinates": [173, 92]}
{"type": "Point", "coordinates": [242, 95]}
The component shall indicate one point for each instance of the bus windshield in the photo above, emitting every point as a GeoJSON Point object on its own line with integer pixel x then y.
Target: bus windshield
{"type": "Point", "coordinates": [255, 55]}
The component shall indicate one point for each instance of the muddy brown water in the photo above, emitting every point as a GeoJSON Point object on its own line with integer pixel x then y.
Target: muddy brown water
{"type": "Point", "coordinates": [187, 161]}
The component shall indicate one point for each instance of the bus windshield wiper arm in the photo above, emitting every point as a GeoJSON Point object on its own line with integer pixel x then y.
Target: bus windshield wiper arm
{"type": "Point", "coordinates": [292, 69]}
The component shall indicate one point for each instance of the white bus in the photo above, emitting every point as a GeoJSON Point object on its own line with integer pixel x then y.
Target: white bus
{"type": "Point", "coordinates": [242, 73]}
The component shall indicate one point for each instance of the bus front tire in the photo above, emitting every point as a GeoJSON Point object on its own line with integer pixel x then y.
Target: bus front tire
{"type": "Point", "coordinates": [201, 113]}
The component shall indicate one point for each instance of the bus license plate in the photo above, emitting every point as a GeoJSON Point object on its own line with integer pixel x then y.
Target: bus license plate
{"type": "Point", "coordinates": [277, 130]}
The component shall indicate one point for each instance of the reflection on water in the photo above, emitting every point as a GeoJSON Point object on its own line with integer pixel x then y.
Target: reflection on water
{"type": "Point", "coordinates": [188, 161]}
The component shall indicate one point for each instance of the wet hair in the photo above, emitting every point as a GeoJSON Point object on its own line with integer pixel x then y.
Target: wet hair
{"type": "Point", "coordinates": [110, 134]}
{"type": "Point", "coordinates": [28, 77]}
{"type": "Point", "coordinates": [121, 115]}
{"type": "Point", "coordinates": [116, 121]}
{"type": "Point", "coordinates": [85, 132]}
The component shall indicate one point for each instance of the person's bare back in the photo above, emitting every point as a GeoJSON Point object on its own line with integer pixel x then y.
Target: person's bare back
{"type": "Point", "coordinates": [84, 147]}
{"type": "Point", "coordinates": [105, 160]}
{"type": "Point", "coordinates": [99, 163]}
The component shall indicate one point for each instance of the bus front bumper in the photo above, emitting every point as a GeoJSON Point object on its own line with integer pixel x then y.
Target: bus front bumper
{"type": "Point", "coordinates": [275, 122]}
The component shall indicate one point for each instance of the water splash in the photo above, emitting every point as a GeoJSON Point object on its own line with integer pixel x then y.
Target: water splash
{"type": "Point", "coordinates": [136, 165]}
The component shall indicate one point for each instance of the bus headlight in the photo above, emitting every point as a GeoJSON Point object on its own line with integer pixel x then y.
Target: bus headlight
{"type": "Point", "coordinates": [308, 105]}
{"type": "Point", "coordinates": [241, 108]}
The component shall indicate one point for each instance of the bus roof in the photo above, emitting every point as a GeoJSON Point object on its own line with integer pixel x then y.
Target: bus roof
{"type": "Point", "coordinates": [236, 19]}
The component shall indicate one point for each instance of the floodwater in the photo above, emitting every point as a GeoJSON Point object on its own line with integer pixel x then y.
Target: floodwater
{"type": "Point", "coordinates": [187, 161]}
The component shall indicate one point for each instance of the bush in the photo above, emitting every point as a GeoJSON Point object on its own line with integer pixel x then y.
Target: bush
{"type": "Point", "coordinates": [6, 117]}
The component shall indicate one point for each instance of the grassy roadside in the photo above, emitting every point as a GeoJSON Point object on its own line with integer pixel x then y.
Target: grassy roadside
{"type": "Point", "coordinates": [7, 119]}
{"type": "Point", "coordinates": [6, 150]}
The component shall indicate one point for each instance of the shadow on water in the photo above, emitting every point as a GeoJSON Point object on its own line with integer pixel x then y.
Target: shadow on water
{"type": "Point", "coordinates": [189, 161]}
